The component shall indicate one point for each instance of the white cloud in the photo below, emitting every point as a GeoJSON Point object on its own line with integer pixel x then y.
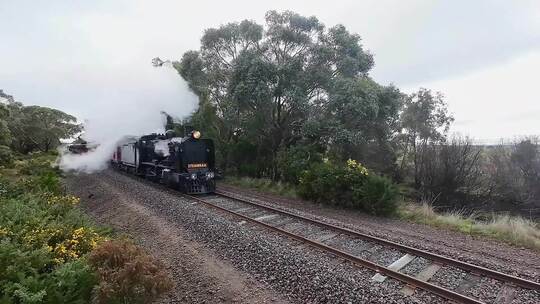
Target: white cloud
{"type": "Point", "coordinates": [498, 102]}
{"type": "Point", "coordinates": [84, 56]}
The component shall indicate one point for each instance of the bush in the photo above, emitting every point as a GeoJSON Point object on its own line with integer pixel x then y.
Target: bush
{"type": "Point", "coordinates": [377, 195]}
{"type": "Point", "coordinates": [72, 282]}
{"type": "Point", "coordinates": [127, 274]}
{"type": "Point", "coordinates": [325, 183]}
{"type": "Point", "coordinates": [295, 160]}
{"type": "Point", "coordinates": [48, 181]}
{"type": "Point", "coordinates": [349, 186]}
{"type": "Point", "coordinates": [45, 241]}
{"type": "Point", "coordinates": [43, 238]}
{"type": "Point", "coordinates": [6, 156]}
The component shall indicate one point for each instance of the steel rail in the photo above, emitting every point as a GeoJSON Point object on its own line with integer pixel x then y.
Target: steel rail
{"type": "Point", "coordinates": [524, 283]}
{"type": "Point", "coordinates": [359, 262]}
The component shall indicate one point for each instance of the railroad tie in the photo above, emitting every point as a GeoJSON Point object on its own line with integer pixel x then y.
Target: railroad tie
{"type": "Point", "coordinates": [265, 217]}
{"type": "Point", "coordinates": [325, 237]}
{"type": "Point", "coordinates": [468, 282]}
{"type": "Point", "coordinates": [396, 266]}
{"type": "Point", "coordinates": [506, 294]}
{"type": "Point", "coordinates": [424, 275]}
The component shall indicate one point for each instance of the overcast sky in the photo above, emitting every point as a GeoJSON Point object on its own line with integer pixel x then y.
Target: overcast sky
{"type": "Point", "coordinates": [85, 56]}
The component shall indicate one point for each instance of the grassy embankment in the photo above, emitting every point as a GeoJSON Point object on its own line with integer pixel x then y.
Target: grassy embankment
{"type": "Point", "coordinates": [51, 252]}
{"type": "Point", "coordinates": [512, 229]}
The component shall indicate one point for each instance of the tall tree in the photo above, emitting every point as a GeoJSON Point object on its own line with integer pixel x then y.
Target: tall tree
{"type": "Point", "coordinates": [34, 127]}
{"type": "Point", "coordinates": [265, 83]}
{"type": "Point", "coordinates": [5, 133]}
{"type": "Point", "coordinates": [425, 118]}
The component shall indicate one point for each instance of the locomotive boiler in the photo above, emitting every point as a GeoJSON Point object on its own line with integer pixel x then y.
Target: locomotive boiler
{"type": "Point", "coordinates": [183, 163]}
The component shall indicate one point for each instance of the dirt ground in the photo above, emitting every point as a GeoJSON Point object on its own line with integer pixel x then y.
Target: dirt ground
{"type": "Point", "coordinates": [198, 275]}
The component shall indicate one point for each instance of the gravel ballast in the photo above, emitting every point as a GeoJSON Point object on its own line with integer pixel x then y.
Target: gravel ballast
{"type": "Point", "coordinates": [270, 268]}
{"type": "Point", "coordinates": [518, 261]}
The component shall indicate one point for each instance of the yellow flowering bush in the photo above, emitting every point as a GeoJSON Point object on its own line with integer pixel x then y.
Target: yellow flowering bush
{"type": "Point", "coordinates": [64, 244]}
{"type": "Point", "coordinates": [349, 185]}
{"type": "Point", "coordinates": [81, 241]}
{"type": "Point", "coordinates": [357, 167]}
{"type": "Point", "coordinates": [46, 242]}
{"type": "Point", "coordinates": [62, 200]}
{"type": "Point", "coordinates": [4, 232]}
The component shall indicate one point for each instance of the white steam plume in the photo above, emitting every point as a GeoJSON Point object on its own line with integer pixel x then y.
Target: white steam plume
{"type": "Point", "coordinates": [135, 109]}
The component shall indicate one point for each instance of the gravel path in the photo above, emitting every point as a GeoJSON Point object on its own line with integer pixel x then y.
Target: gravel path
{"type": "Point", "coordinates": [214, 258]}
{"type": "Point", "coordinates": [518, 261]}
{"type": "Point", "coordinates": [199, 276]}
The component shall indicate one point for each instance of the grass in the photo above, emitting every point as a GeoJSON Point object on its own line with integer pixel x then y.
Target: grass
{"type": "Point", "coordinates": [512, 229]}
{"type": "Point", "coordinates": [263, 185]}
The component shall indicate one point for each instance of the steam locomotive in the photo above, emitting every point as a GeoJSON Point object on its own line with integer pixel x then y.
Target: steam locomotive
{"type": "Point", "coordinates": [80, 146]}
{"type": "Point", "coordinates": [183, 163]}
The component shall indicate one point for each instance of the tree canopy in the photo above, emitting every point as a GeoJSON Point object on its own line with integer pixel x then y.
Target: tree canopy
{"type": "Point", "coordinates": [290, 81]}
{"type": "Point", "coordinates": [33, 128]}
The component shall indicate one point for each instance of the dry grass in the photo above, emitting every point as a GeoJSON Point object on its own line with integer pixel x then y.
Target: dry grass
{"type": "Point", "coordinates": [513, 229]}
{"type": "Point", "coordinates": [264, 185]}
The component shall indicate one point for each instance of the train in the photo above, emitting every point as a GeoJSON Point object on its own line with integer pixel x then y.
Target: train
{"type": "Point", "coordinates": [81, 146]}
{"type": "Point", "coordinates": [184, 163]}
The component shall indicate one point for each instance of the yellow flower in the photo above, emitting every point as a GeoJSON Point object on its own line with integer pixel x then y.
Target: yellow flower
{"type": "Point", "coordinates": [356, 166]}
{"type": "Point", "coordinates": [3, 231]}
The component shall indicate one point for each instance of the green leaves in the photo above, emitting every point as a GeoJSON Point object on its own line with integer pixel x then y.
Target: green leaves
{"type": "Point", "coordinates": [349, 186]}
{"type": "Point", "coordinates": [289, 81]}
{"type": "Point", "coordinates": [34, 128]}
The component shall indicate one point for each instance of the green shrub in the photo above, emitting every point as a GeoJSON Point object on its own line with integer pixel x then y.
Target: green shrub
{"type": "Point", "coordinates": [324, 183]}
{"type": "Point", "coordinates": [377, 195]}
{"type": "Point", "coordinates": [38, 164]}
{"type": "Point", "coordinates": [295, 160]}
{"type": "Point", "coordinates": [48, 181]}
{"type": "Point", "coordinates": [349, 186]}
{"type": "Point", "coordinates": [72, 282]}
{"type": "Point", "coordinates": [6, 156]}
{"type": "Point", "coordinates": [127, 274]}
{"type": "Point", "coordinates": [45, 241]}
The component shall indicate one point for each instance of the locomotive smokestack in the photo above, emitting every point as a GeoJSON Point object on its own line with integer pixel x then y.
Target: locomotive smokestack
{"type": "Point", "coordinates": [188, 130]}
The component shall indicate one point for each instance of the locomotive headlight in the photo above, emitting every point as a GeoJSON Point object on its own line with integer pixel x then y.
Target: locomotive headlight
{"type": "Point", "coordinates": [209, 175]}
{"type": "Point", "coordinates": [193, 176]}
{"type": "Point", "coordinates": [196, 134]}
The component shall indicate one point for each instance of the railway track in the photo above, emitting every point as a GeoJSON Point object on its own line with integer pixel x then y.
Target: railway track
{"type": "Point", "coordinates": [357, 248]}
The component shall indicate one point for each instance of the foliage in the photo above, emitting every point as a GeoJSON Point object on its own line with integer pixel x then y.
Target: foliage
{"type": "Point", "coordinates": [450, 171]}
{"type": "Point", "coordinates": [6, 156]}
{"type": "Point", "coordinates": [350, 186]}
{"type": "Point", "coordinates": [293, 161]}
{"type": "Point", "coordinates": [425, 120]}
{"type": "Point", "coordinates": [44, 238]}
{"type": "Point", "coordinates": [127, 274]}
{"type": "Point", "coordinates": [264, 185]}
{"type": "Point", "coordinates": [33, 128]}
{"type": "Point", "coordinates": [280, 86]}
{"type": "Point", "coordinates": [513, 229]}
{"type": "Point", "coordinates": [514, 172]}
{"type": "Point", "coordinates": [377, 195]}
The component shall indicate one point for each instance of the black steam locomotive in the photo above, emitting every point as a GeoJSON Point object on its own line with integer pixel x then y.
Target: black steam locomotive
{"type": "Point", "coordinates": [183, 163]}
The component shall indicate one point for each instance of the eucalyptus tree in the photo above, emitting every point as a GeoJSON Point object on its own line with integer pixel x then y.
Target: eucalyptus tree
{"type": "Point", "coordinates": [289, 80]}
{"type": "Point", "coordinates": [425, 119]}
{"type": "Point", "coordinates": [31, 128]}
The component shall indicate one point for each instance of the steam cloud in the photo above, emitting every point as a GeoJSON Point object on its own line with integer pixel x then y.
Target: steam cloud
{"type": "Point", "coordinates": [126, 107]}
